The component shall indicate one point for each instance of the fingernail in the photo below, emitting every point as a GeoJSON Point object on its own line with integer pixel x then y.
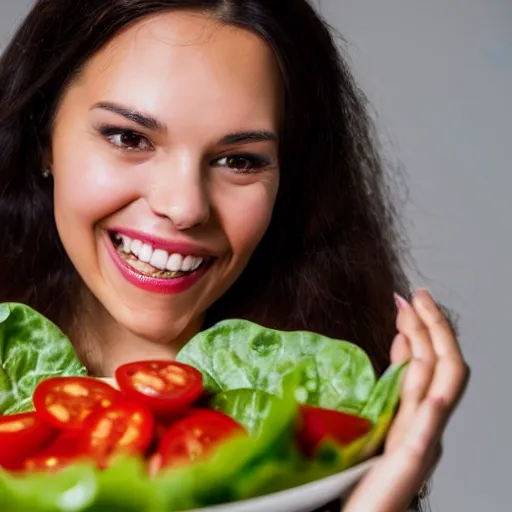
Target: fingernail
{"type": "Point", "coordinates": [400, 302]}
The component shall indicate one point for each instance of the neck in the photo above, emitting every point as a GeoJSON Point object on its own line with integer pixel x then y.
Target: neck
{"type": "Point", "coordinates": [102, 344]}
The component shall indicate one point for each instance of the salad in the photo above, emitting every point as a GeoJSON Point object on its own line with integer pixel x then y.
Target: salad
{"type": "Point", "coordinates": [244, 411]}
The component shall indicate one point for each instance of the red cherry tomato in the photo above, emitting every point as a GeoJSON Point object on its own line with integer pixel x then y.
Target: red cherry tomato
{"type": "Point", "coordinates": [158, 431]}
{"type": "Point", "coordinates": [194, 436]}
{"type": "Point", "coordinates": [47, 462]}
{"type": "Point", "coordinates": [66, 402]}
{"type": "Point", "coordinates": [62, 451]}
{"type": "Point", "coordinates": [317, 425]}
{"type": "Point", "coordinates": [125, 427]}
{"type": "Point", "coordinates": [168, 388]}
{"type": "Point", "coordinates": [21, 435]}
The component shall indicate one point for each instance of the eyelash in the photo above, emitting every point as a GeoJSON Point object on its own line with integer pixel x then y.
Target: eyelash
{"type": "Point", "coordinates": [257, 163]}
{"type": "Point", "coordinates": [109, 132]}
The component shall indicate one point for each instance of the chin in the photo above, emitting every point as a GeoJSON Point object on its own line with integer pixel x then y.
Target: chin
{"type": "Point", "coordinates": [157, 327]}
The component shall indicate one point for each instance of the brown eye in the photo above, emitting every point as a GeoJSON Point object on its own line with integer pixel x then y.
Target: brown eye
{"type": "Point", "coordinates": [130, 140]}
{"type": "Point", "coordinates": [243, 163]}
{"type": "Point", "coordinates": [127, 139]}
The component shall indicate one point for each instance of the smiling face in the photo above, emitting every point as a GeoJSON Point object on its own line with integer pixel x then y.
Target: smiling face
{"type": "Point", "coordinates": [165, 161]}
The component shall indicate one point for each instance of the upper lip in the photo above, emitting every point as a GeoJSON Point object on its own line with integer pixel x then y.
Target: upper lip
{"type": "Point", "coordinates": [171, 246]}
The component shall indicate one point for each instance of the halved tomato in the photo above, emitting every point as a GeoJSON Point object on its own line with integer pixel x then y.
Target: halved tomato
{"type": "Point", "coordinates": [66, 402]}
{"type": "Point", "coordinates": [194, 436]}
{"type": "Point", "coordinates": [21, 435]}
{"type": "Point", "coordinates": [168, 388]}
{"type": "Point", "coordinates": [122, 428]}
{"type": "Point", "coordinates": [47, 462]}
{"type": "Point", "coordinates": [317, 425]}
{"type": "Point", "coordinates": [61, 452]}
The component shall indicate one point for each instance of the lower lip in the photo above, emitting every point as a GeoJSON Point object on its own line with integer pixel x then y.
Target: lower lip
{"type": "Point", "coordinates": [154, 284]}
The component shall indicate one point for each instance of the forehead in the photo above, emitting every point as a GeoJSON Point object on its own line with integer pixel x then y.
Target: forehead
{"type": "Point", "coordinates": [172, 62]}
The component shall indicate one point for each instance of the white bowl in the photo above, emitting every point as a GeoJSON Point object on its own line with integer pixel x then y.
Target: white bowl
{"type": "Point", "coordinates": [305, 498]}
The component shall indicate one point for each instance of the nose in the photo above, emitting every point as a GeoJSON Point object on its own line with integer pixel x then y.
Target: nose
{"type": "Point", "coordinates": [178, 191]}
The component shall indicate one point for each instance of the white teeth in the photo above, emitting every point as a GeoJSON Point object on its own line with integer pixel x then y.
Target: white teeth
{"type": "Point", "coordinates": [135, 247]}
{"type": "Point", "coordinates": [127, 242]}
{"type": "Point", "coordinates": [187, 264]}
{"type": "Point", "coordinates": [197, 262]}
{"type": "Point", "coordinates": [174, 262]}
{"type": "Point", "coordinates": [159, 259]}
{"type": "Point", "coordinates": [145, 253]}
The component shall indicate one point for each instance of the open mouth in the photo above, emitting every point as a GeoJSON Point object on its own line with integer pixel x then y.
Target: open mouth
{"type": "Point", "coordinates": [156, 263]}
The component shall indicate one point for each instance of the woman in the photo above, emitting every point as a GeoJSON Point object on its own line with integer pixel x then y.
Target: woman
{"type": "Point", "coordinates": [166, 164]}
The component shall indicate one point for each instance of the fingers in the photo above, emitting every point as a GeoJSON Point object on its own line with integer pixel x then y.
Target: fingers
{"type": "Point", "coordinates": [418, 376]}
{"type": "Point", "coordinates": [452, 373]}
{"type": "Point", "coordinates": [433, 384]}
{"type": "Point", "coordinates": [412, 327]}
{"type": "Point", "coordinates": [415, 384]}
{"type": "Point", "coordinates": [436, 369]}
{"type": "Point", "coordinates": [440, 331]}
{"type": "Point", "coordinates": [400, 349]}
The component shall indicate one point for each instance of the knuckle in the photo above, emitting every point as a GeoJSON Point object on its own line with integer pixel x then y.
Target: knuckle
{"type": "Point", "coordinates": [460, 374]}
{"type": "Point", "coordinates": [441, 406]}
{"type": "Point", "coordinates": [439, 320]}
{"type": "Point", "coordinates": [420, 329]}
{"type": "Point", "coordinates": [429, 356]}
{"type": "Point", "coordinates": [415, 452]}
{"type": "Point", "coordinates": [425, 367]}
{"type": "Point", "coordinates": [417, 381]}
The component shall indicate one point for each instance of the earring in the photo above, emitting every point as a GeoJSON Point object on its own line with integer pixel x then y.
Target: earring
{"type": "Point", "coordinates": [46, 172]}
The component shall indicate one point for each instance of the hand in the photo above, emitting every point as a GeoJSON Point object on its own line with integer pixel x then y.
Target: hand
{"type": "Point", "coordinates": [433, 384]}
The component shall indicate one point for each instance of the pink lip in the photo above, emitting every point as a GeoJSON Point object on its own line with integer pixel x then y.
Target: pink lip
{"type": "Point", "coordinates": [183, 248]}
{"type": "Point", "coordinates": [154, 284]}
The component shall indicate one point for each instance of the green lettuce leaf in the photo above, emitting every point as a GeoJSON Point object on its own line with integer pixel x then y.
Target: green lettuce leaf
{"type": "Point", "coordinates": [31, 349]}
{"type": "Point", "coordinates": [385, 394]}
{"type": "Point", "coordinates": [380, 409]}
{"type": "Point", "coordinates": [71, 490]}
{"type": "Point", "coordinates": [236, 354]}
{"type": "Point", "coordinates": [250, 407]}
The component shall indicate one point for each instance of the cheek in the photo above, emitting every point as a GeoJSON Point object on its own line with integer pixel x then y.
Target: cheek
{"type": "Point", "coordinates": [88, 187]}
{"type": "Point", "coordinates": [245, 216]}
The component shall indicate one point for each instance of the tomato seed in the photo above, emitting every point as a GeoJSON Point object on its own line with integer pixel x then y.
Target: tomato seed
{"type": "Point", "coordinates": [74, 389]}
{"type": "Point", "coordinates": [59, 412]}
{"type": "Point", "coordinates": [16, 426]}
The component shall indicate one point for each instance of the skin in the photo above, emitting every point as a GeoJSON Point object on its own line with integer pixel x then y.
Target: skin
{"type": "Point", "coordinates": [179, 191]}
{"type": "Point", "coordinates": [202, 81]}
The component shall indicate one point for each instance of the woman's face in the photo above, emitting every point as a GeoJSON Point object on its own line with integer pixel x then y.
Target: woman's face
{"type": "Point", "coordinates": [165, 161]}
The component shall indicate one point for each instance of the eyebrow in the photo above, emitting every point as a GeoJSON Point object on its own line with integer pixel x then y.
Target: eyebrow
{"type": "Point", "coordinates": [145, 120]}
{"type": "Point", "coordinates": [247, 137]}
{"type": "Point", "coordinates": [152, 123]}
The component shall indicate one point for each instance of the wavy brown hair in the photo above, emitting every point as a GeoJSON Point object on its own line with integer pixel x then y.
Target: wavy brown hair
{"type": "Point", "coordinates": [333, 254]}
